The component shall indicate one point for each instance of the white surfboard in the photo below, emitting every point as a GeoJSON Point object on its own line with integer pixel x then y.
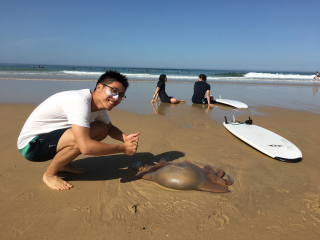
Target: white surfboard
{"type": "Point", "coordinates": [232, 103]}
{"type": "Point", "coordinates": [265, 141]}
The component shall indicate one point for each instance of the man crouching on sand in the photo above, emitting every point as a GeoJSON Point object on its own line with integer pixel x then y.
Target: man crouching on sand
{"type": "Point", "coordinates": [71, 123]}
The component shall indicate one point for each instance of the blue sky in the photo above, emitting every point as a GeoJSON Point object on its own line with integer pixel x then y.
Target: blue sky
{"type": "Point", "coordinates": [231, 34]}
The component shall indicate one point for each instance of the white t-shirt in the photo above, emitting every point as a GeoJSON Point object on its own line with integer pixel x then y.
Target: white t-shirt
{"type": "Point", "coordinates": [60, 111]}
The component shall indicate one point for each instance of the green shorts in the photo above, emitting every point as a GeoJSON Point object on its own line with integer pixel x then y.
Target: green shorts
{"type": "Point", "coordinates": [42, 147]}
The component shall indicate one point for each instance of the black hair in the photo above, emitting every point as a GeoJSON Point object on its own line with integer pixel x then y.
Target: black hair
{"type": "Point", "coordinates": [162, 78]}
{"type": "Point", "coordinates": [110, 76]}
{"type": "Point", "coordinates": [203, 77]}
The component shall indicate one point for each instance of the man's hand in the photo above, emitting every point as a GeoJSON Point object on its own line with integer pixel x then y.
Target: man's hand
{"type": "Point", "coordinates": [133, 138]}
{"type": "Point", "coordinates": [130, 148]}
{"type": "Point", "coordinates": [131, 144]}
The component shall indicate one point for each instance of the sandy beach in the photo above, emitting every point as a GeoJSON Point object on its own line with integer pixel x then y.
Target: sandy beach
{"type": "Point", "coordinates": [186, 176]}
{"type": "Point", "coordinates": [269, 199]}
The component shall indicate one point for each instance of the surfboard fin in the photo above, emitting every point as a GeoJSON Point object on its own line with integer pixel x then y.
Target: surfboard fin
{"type": "Point", "coordinates": [226, 119]}
{"type": "Point", "coordinates": [249, 122]}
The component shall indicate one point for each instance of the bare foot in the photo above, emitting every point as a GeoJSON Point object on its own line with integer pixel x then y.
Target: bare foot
{"type": "Point", "coordinates": [56, 183]}
{"type": "Point", "coordinates": [71, 169]}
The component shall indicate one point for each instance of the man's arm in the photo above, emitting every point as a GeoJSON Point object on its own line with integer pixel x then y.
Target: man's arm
{"type": "Point", "coordinates": [117, 134]}
{"type": "Point", "coordinates": [88, 146]}
{"type": "Point", "coordinates": [209, 99]}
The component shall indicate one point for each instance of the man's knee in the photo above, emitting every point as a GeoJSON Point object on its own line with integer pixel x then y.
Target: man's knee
{"type": "Point", "coordinates": [104, 131]}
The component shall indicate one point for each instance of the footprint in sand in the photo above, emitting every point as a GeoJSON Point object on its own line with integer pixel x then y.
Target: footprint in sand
{"type": "Point", "coordinates": [16, 232]}
{"type": "Point", "coordinates": [107, 214]}
{"type": "Point", "coordinates": [313, 205]}
{"type": "Point", "coordinates": [109, 211]}
{"type": "Point", "coordinates": [25, 196]}
{"type": "Point", "coordinates": [217, 220]}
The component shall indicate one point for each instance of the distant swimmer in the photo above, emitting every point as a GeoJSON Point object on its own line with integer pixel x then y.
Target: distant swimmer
{"type": "Point", "coordinates": [186, 176]}
{"type": "Point", "coordinates": [317, 76]}
{"type": "Point", "coordinates": [161, 91]}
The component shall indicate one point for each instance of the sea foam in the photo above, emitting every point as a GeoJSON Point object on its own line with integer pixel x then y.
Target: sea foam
{"type": "Point", "coordinates": [256, 75]}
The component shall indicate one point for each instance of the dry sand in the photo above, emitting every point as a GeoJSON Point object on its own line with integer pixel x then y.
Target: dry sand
{"type": "Point", "coordinates": [268, 200]}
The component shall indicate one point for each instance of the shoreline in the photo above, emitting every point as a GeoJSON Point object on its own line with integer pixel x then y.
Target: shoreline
{"type": "Point", "coordinates": [303, 97]}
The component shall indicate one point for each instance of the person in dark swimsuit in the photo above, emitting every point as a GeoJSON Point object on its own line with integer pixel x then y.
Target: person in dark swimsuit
{"type": "Point", "coordinates": [202, 88]}
{"type": "Point", "coordinates": [161, 91]}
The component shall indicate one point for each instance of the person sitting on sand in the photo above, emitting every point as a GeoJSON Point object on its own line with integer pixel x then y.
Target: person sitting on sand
{"type": "Point", "coordinates": [200, 89]}
{"type": "Point", "coordinates": [317, 76]}
{"type": "Point", "coordinates": [186, 176]}
{"type": "Point", "coordinates": [71, 123]}
{"type": "Point", "coordinates": [161, 91]}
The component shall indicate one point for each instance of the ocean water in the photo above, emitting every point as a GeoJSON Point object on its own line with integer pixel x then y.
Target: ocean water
{"type": "Point", "coordinates": [59, 72]}
{"type": "Point", "coordinates": [293, 90]}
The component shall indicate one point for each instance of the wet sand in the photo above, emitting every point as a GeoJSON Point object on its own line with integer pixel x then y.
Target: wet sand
{"type": "Point", "coordinates": [269, 198]}
{"type": "Point", "coordinates": [139, 94]}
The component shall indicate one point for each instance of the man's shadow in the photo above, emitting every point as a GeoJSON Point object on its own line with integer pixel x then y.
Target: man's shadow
{"type": "Point", "coordinates": [115, 166]}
